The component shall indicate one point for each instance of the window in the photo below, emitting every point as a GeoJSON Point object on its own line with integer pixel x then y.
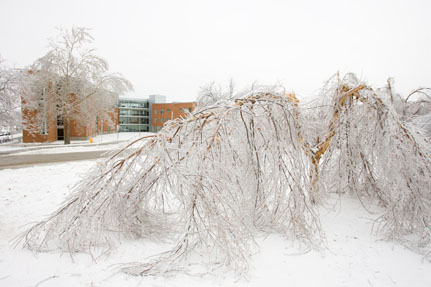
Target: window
{"type": "Point", "coordinates": [43, 124]}
{"type": "Point", "coordinates": [161, 120]}
{"type": "Point", "coordinates": [42, 114]}
{"type": "Point", "coordinates": [190, 109]}
{"type": "Point", "coordinates": [162, 111]}
{"type": "Point", "coordinates": [181, 109]}
{"type": "Point", "coordinates": [134, 113]}
{"type": "Point", "coordinates": [155, 120]}
{"type": "Point", "coordinates": [133, 104]}
{"type": "Point", "coordinates": [60, 120]}
{"type": "Point", "coordinates": [168, 119]}
{"type": "Point", "coordinates": [168, 110]}
{"type": "Point", "coordinates": [124, 112]}
{"type": "Point", "coordinates": [155, 112]}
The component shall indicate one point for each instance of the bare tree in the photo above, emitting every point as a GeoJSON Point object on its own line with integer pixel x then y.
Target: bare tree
{"type": "Point", "coordinates": [9, 96]}
{"type": "Point", "coordinates": [77, 79]}
{"type": "Point", "coordinates": [211, 93]}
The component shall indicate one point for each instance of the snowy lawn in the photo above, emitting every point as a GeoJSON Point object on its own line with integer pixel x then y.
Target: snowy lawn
{"type": "Point", "coordinates": [353, 257]}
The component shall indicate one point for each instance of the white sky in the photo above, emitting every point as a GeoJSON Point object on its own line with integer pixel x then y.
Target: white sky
{"type": "Point", "coordinates": [174, 47]}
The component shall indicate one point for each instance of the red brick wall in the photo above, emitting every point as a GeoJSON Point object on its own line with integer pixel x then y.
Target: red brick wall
{"type": "Point", "coordinates": [77, 129]}
{"type": "Point", "coordinates": [30, 131]}
{"type": "Point", "coordinates": [32, 135]}
{"type": "Point", "coordinates": [174, 112]}
{"type": "Point", "coordinates": [110, 121]}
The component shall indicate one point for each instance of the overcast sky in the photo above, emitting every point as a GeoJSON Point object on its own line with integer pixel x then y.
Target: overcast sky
{"type": "Point", "coordinates": [175, 47]}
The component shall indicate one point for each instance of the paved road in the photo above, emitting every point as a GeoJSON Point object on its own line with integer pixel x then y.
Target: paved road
{"type": "Point", "coordinates": [19, 160]}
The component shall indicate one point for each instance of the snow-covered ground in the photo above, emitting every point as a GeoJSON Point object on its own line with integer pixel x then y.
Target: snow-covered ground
{"type": "Point", "coordinates": [353, 256]}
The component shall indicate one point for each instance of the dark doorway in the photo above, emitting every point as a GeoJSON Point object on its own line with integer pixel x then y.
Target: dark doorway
{"type": "Point", "coordinates": [60, 134]}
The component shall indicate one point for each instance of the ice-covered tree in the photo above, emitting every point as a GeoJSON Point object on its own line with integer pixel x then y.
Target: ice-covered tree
{"type": "Point", "coordinates": [78, 79]}
{"type": "Point", "coordinates": [214, 179]}
{"type": "Point", "coordinates": [259, 162]}
{"type": "Point", "coordinates": [417, 110]}
{"type": "Point", "coordinates": [211, 93]}
{"type": "Point", "coordinates": [9, 96]}
{"type": "Point", "coordinates": [370, 149]}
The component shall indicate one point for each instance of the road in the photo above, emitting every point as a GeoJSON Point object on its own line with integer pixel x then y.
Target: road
{"type": "Point", "coordinates": [20, 160]}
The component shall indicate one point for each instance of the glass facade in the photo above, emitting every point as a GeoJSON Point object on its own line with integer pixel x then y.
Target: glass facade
{"type": "Point", "coordinates": [134, 112]}
{"type": "Point", "coordinates": [134, 115]}
{"type": "Point", "coordinates": [149, 115]}
{"type": "Point", "coordinates": [133, 103]}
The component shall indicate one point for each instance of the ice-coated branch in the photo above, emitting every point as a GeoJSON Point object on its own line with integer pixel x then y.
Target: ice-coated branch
{"type": "Point", "coordinates": [373, 152]}
{"type": "Point", "coordinates": [212, 180]}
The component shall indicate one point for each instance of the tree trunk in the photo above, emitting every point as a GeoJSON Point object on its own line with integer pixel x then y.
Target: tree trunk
{"type": "Point", "coordinates": [66, 124]}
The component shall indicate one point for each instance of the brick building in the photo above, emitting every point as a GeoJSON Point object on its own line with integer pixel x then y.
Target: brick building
{"type": "Point", "coordinates": [51, 127]}
{"type": "Point", "coordinates": [42, 124]}
{"type": "Point", "coordinates": [163, 112]}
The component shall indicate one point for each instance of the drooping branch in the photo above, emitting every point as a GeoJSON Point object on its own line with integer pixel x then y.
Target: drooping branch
{"type": "Point", "coordinates": [220, 175]}
{"type": "Point", "coordinates": [373, 152]}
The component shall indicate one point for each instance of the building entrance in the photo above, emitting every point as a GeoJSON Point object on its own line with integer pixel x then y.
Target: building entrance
{"type": "Point", "coordinates": [60, 134]}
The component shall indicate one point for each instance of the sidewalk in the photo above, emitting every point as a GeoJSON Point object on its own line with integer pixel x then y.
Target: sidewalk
{"type": "Point", "coordinates": [21, 160]}
{"type": "Point", "coordinates": [19, 154]}
{"type": "Point", "coordinates": [100, 140]}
